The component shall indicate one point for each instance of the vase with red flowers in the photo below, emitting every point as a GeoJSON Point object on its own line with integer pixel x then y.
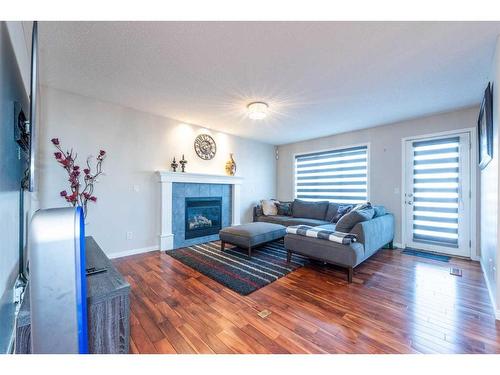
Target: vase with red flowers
{"type": "Point", "coordinates": [79, 193]}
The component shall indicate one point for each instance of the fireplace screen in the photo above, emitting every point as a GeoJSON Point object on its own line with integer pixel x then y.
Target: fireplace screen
{"type": "Point", "coordinates": [203, 216]}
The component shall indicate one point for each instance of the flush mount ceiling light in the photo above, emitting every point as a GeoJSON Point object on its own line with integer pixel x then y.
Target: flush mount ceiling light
{"type": "Point", "coordinates": [257, 110]}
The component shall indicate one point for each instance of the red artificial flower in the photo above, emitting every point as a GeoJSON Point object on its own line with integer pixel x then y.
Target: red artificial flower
{"type": "Point", "coordinates": [65, 162]}
{"type": "Point", "coordinates": [58, 155]}
{"type": "Point", "coordinates": [76, 167]}
{"type": "Point", "coordinates": [55, 141]}
{"type": "Point", "coordinates": [86, 171]}
{"type": "Point", "coordinates": [93, 199]}
{"type": "Point", "coordinates": [63, 193]}
{"type": "Point", "coordinates": [102, 152]}
{"type": "Point", "coordinates": [72, 197]}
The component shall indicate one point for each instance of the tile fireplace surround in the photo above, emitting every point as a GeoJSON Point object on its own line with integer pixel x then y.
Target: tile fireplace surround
{"type": "Point", "coordinates": [167, 179]}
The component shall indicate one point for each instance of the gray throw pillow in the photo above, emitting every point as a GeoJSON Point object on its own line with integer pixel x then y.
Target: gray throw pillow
{"type": "Point", "coordinates": [342, 210]}
{"type": "Point", "coordinates": [348, 221]}
{"type": "Point", "coordinates": [284, 208]}
{"type": "Point", "coordinates": [331, 211]}
{"type": "Point", "coordinates": [309, 210]}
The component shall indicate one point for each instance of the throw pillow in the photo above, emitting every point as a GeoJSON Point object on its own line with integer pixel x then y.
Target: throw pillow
{"type": "Point", "coordinates": [348, 221]}
{"type": "Point", "coordinates": [309, 210]}
{"type": "Point", "coordinates": [269, 207]}
{"type": "Point", "coordinates": [331, 211]}
{"type": "Point", "coordinates": [341, 211]}
{"type": "Point", "coordinates": [284, 208]}
{"type": "Point", "coordinates": [362, 206]}
{"type": "Point", "coordinates": [379, 211]}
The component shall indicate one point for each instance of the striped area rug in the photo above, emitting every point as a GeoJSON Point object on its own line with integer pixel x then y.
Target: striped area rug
{"type": "Point", "coordinates": [234, 269]}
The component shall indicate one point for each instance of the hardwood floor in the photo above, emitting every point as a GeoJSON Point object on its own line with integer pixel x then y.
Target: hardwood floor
{"type": "Point", "coordinates": [397, 304]}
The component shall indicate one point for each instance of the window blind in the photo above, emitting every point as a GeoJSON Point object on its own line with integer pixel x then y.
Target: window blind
{"type": "Point", "coordinates": [436, 191]}
{"type": "Point", "coordinates": [338, 175]}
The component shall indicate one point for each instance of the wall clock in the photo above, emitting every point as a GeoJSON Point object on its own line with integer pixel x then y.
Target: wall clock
{"type": "Point", "coordinates": [205, 146]}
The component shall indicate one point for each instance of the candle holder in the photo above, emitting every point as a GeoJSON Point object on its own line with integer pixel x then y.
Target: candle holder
{"type": "Point", "coordinates": [174, 165]}
{"type": "Point", "coordinates": [183, 163]}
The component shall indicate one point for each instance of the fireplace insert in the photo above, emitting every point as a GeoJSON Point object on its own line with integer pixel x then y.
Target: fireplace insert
{"type": "Point", "coordinates": [203, 216]}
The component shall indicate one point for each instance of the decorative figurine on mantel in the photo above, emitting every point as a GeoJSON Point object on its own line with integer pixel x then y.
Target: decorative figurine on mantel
{"type": "Point", "coordinates": [230, 166]}
{"type": "Point", "coordinates": [174, 165]}
{"type": "Point", "coordinates": [183, 163]}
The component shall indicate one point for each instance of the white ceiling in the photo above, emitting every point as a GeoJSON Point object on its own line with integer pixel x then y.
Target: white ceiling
{"type": "Point", "coordinates": [319, 78]}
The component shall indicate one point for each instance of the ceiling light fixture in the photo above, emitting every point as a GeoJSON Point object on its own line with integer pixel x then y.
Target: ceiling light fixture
{"type": "Point", "coordinates": [257, 110]}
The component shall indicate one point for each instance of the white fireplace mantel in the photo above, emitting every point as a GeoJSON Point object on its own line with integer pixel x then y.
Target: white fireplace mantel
{"type": "Point", "coordinates": [168, 178]}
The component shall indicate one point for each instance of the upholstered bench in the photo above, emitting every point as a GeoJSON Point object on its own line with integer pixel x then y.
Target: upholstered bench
{"type": "Point", "coordinates": [250, 235]}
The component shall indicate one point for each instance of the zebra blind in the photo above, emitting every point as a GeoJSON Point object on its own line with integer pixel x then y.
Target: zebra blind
{"type": "Point", "coordinates": [337, 176]}
{"type": "Point", "coordinates": [436, 191]}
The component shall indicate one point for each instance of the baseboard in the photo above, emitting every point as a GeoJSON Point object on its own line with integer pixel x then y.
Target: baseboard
{"type": "Point", "coordinates": [398, 245]}
{"type": "Point", "coordinates": [490, 292]}
{"type": "Point", "coordinates": [133, 252]}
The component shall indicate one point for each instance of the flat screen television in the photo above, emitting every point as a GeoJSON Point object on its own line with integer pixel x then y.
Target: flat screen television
{"type": "Point", "coordinates": [34, 91]}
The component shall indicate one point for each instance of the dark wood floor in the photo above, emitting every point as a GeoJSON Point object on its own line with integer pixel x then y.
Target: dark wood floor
{"type": "Point", "coordinates": [396, 304]}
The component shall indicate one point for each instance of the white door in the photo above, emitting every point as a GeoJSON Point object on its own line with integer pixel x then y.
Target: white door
{"type": "Point", "coordinates": [437, 194]}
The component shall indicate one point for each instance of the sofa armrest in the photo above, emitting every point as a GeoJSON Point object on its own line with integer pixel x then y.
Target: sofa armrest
{"type": "Point", "coordinates": [375, 233]}
{"type": "Point", "coordinates": [257, 211]}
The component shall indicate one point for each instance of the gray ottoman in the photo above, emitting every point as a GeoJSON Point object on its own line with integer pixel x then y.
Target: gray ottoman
{"type": "Point", "coordinates": [250, 235]}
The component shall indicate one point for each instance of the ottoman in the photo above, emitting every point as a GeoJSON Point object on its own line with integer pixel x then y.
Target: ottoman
{"type": "Point", "coordinates": [250, 235]}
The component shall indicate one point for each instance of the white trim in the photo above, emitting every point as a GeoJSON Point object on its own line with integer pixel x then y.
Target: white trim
{"type": "Point", "coordinates": [496, 312]}
{"type": "Point", "coordinates": [398, 245]}
{"type": "Point", "coordinates": [473, 182]}
{"type": "Point", "coordinates": [199, 178]}
{"type": "Point", "coordinates": [368, 165]}
{"type": "Point", "coordinates": [132, 252]}
{"type": "Point", "coordinates": [167, 178]}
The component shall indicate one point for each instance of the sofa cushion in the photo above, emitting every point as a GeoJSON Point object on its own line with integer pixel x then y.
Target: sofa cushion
{"type": "Point", "coordinates": [348, 221]}
{"type": "Point", "coordinates": [284, 208]}
{"type": "Point", "coordinates": [269, 207]}
{"type": "Point", "coordinates": [309, 210]}
{"type": "Point", "coordinates": [331, 211]}
{"type": "Point", "coordinates": [288, 220]}
{"type": "Point", "coordinates": [379, 211]}
{"type": "Point", "coordinates": [341, 211]}
{"type": "Point", "coordinates": [344, 255]}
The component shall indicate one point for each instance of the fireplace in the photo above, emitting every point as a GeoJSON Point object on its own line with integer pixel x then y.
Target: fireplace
{"type": "Point", "coordinates": [203, 216]}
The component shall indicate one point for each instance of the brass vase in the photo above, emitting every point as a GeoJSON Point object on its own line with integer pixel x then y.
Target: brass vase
{"type": "Point", "coordinates": [230, 166]}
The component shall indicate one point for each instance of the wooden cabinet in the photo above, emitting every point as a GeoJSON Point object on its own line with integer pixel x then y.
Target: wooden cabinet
{"type": "Point", "coordinates": [108, 305]}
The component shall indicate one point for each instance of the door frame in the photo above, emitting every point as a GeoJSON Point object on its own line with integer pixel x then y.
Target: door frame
{"type": "Point", "coordinates": [473, 185]}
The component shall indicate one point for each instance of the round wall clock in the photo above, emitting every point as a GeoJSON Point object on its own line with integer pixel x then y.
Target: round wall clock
{"type": "Point", "coordinates": [205, 146]}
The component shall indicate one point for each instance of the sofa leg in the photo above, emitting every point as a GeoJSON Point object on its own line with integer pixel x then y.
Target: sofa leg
{"type": "Point", "coordinates": [249, 251]}
{"type": "Point", "coordinates": [222, 245]}
{"type": "Point", "coordinates": [350, 272]}
{"type": "Point", "coordinates": [288, 256]}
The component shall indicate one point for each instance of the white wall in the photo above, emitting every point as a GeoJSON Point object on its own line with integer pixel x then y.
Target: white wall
{"type": "Point", "coordinates": [137, 144]}
{"type": "Point", "coordinates": [489, 198]}
{"type": "Point", "coordinates": [385, 155]}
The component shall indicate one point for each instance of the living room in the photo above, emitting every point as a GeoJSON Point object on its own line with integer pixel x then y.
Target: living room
{"type": "Point", "coordinates": [250, 187]}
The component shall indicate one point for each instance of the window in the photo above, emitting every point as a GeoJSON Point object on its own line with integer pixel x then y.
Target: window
{"type": "Point", "coordinates": [337, 175]}
{"type": "Point", "coordinates": [436, 184]}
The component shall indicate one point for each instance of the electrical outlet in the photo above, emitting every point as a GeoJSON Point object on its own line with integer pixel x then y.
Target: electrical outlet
{"type": "Point", "coordinates": [130, 235]}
